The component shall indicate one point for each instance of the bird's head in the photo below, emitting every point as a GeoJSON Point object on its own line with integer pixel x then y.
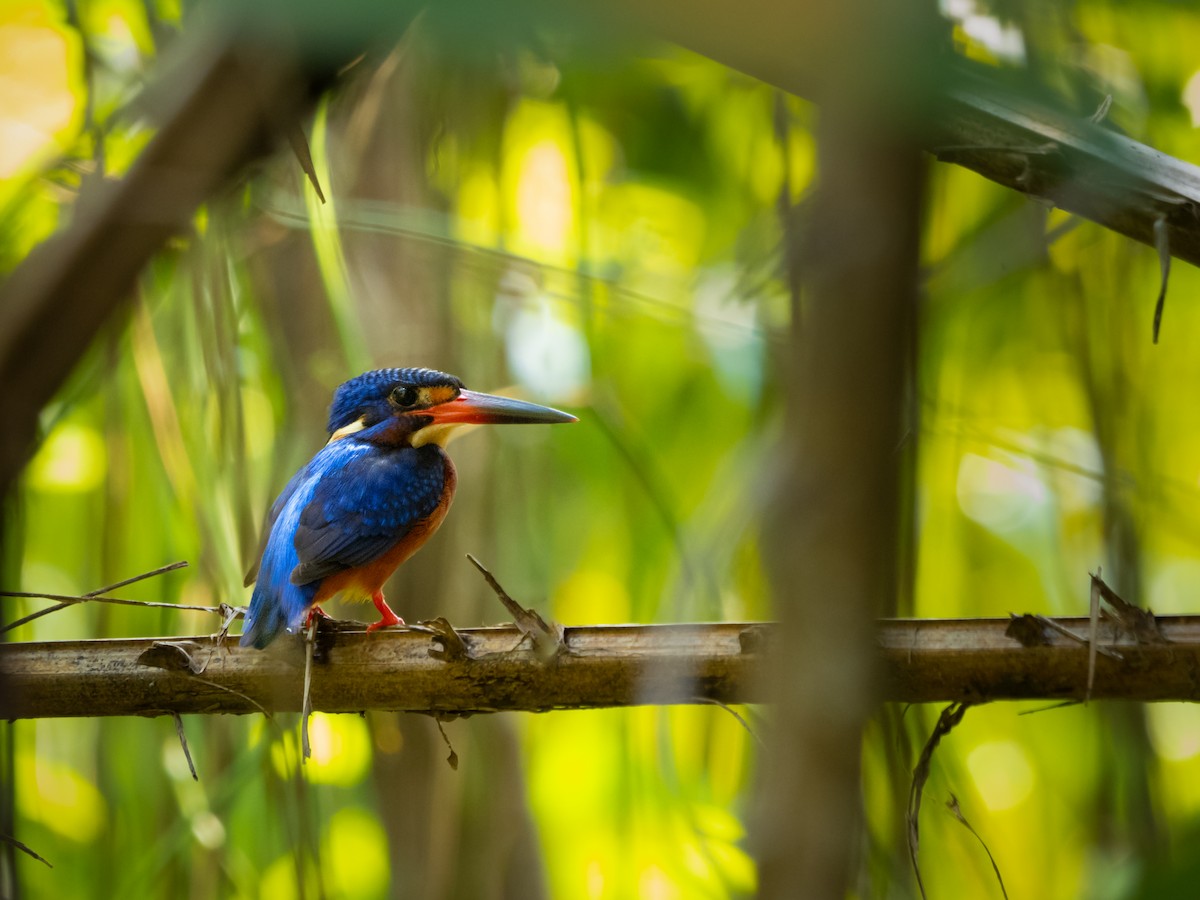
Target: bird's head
{"type": "Point", "coordinates": [422, 406]}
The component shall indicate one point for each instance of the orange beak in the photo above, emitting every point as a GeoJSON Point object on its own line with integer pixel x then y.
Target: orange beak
{"type": "Point", "coordinates": [472, 408]}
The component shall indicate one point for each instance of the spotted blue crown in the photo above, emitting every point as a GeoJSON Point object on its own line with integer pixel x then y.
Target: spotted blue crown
{"type": "Point", "coordinates": [370, 388]}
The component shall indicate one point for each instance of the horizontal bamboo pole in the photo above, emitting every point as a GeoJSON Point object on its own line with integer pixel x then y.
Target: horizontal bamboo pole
{"type": "Point", "coordinates": [922, 660]}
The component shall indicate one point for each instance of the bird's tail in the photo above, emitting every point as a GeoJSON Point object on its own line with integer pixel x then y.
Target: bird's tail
{"type": "Point", "coordinates": [264, 620]}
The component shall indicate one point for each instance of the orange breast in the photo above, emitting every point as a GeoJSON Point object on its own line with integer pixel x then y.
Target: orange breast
{"type": "Point", "coordinates": [362, 582]}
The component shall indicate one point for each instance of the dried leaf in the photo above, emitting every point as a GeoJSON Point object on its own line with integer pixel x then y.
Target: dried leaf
{"type": "Point", "coordinates": [9, 839]}
{"type": "Point", "coordinates": [1162, 243]}
{"type": "Point", "coordinates": [952, 805]}
{"type": "Point", "coordinates": [174, 656]}
{"type": "Point", "coordinates": [452, 759]}
{"type": "Point", "coordinates": [946, 722]}
{"type": "Point", "coordinates": [299, 142]}
{"type": "Point", "coordinates": [548, 640]}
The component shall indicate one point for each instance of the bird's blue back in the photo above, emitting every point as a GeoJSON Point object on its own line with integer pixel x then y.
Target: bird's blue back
{"type": "Point", "coordinates": [351, 504]}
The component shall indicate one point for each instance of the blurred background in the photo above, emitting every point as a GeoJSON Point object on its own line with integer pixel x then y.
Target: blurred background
{"type": "Point", "coordinates": [603, 226]}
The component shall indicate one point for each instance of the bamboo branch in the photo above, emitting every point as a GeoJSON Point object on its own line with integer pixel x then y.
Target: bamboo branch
{"type": "Point", "coordinates": [1074, 162]}
{"type": "Point", "coordinates": [1012, 133]}
{"type": "Point", "coordinates": [922, 660]}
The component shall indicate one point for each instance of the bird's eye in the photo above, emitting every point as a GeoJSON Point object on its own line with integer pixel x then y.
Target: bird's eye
{"type": "Point", "coordinates": [404, 396]}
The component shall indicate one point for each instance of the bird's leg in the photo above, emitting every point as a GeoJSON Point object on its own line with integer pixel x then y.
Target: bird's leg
{"type": "Point", "coordinates": [387, 618]}
{"type": "Point", "coordinates": [315, 612]}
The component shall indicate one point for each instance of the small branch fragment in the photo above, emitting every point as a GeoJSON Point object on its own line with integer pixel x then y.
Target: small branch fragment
{"type": "Point", "coordinates": [548, 640]}
{"type": "Point", "coordinates": [183, 743]}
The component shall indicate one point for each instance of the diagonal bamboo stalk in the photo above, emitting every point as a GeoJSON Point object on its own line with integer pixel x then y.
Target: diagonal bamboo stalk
{"type": "Point", "coordinates": [1003, 125]}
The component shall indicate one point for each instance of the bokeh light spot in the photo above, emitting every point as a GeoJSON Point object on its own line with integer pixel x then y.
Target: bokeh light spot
{"type": "Point", "coordinates": [1174, 729]}
{"type": "Point", "coordinates": [1191, 98]}
{"type": "Point", "coordinates": [655, 884]}
{"type": "Point", "coordinates": [356, 852]}
{"type": "Point", "coordinates": [341, 749]}
{"type": "Point", "coordinates": [36, 101]}
{"type": "Point", "coordinates": [1002, 496]}
{"type": "Point", "coordinates": [72, 459]}
{"type": "Point", "coordinates": [548, 355]}
{"type": "Point", "coordinates": [1002, 774]}
{"type": "Point", "coordinates": [59, 797]}
{"type": "Point", "coordinates": [544, 197]}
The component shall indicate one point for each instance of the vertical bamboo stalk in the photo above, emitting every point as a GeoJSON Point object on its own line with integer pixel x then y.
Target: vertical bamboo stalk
{"type": "Point", "coordinates": [833, 554]}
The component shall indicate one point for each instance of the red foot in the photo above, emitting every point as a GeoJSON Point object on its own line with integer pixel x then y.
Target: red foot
{"type": "Point", "coordinates": [387, 618]}
{"type": "Point", "coordinates": [315, 613]}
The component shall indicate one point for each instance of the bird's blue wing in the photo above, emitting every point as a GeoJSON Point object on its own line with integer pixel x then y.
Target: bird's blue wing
{"type": "Point", "coordinates": [272, 516]}
{"type": "Point", "coordinates": [361, 508]}
{"type": "Point", "coordinates": [278, 604]}
{"type": "Point", "coordinates": [346, 508]}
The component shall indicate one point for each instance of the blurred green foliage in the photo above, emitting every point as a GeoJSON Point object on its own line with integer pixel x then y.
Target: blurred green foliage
{"type": "Point", "coordinates": [603, 231]}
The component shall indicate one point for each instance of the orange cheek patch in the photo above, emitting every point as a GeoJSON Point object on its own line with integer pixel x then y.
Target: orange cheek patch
{"type": "Point", "coordinates": [432, 396]}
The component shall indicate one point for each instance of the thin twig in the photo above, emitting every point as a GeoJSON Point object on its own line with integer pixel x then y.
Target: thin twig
{"type": "Point", "coordinates": [733, 712]}
{"type": "Point", "coordinates": [1050, 708]}
{"type": "Point", "coordinates": [94, 597]}
{"type": "Point", "coordinates": [1068, 633]}
{"type": "Point", "coordinates": [262, 709]}
{"type": "Point", "coordinates": [183, 743]}
{"type": "Point", "coordinates": [161, 570]}
{"type": "Point", "coordinates": [310, 632]}
{"type": "Point", "coordinates": [75, 599]}
{"type": "Point", "coordinates": [1093, 632]}
{"type": "Point", "coordinates": [228, 615]}
{"type": "Point", "coordinates": [952, 805]}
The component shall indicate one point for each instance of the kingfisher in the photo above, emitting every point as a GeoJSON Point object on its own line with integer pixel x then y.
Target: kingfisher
{"type": "Point", "coordinates": [371, 497]}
